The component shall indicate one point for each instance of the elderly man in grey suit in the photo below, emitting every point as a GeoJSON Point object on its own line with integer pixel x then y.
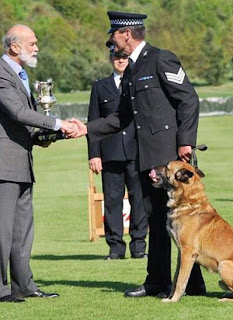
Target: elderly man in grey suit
{"type": "Point", "coordinates": [18, 117]}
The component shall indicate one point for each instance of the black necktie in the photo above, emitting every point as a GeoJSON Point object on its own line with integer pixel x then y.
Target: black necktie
{"type": "Point", "coordinates": [131, 63]}
{"type": "Point", "coordinates": [120, 87]}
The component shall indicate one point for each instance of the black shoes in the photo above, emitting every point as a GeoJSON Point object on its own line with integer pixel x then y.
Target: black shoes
{"type": "Point", "coordinates": [136, 293]}
{"type": "Point", "coordinates": [41, 294]}
{"type": "Point", "coordinates": [36, 294]}
{"type": "Point", "coordinates": [136, 255]}
{"type": "Point", "coordinates": [146, 290]}
{"type": "Point", "coordinates": [114, 256]}
{"type": "Point", "coordinates": [151, 290]}
{"type": "Point", "coordinates": [139, 255]}
{"type": "Point", "coordinates": [11, 298]}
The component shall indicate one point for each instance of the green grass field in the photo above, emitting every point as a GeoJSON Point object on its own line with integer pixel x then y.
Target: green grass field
{"type": "Point", "coordinates": [64, 261]}
{"type": "Point", "coordinates": [225, 90]}
{"type": "Point", "coordinates": [73, 97]}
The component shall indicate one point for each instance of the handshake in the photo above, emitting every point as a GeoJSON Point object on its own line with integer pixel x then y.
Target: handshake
{"type": "Point", "coordinates": [73, 128]}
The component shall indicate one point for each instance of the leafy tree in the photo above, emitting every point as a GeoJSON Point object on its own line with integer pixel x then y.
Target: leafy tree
{"type": "Point", "coordinates": [168, 4]}
{"type": "Point", "coordinates": [72, 35]}
{"type": "Point", "coordinates": [71, 9]}
{"type": "Point", "coordinates": [214, 66]}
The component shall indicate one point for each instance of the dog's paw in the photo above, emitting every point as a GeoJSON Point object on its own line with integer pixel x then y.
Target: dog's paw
{"type": "Point", "coordinates": [227, 297]}
{"type": "Point", "coordinates": [166, 300]}
{"type": "Point", "coordinates": [225, 300]}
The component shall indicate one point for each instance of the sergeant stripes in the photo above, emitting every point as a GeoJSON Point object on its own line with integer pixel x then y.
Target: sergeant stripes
{"type": "Point", "coordinates": [176, 77]}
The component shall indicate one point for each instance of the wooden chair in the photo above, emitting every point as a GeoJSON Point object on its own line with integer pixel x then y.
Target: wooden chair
{"type": "Point", "coordinates": [96, 211]}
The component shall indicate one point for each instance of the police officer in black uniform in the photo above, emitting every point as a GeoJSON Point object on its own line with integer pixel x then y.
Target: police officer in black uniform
{"type": "Point", "coordinates": [117, 155]}
{"type": "Point", "coordinates": [157, 94]}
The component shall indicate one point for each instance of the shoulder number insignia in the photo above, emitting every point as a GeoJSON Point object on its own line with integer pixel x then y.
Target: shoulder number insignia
{"type": "Point", "coordinates": [176, 77]}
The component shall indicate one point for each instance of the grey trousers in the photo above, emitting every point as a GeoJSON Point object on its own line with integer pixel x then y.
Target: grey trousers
{"type": "Point", "coordinates": [16, 237]}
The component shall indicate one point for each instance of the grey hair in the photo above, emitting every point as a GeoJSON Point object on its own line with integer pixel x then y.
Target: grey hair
{"type": "Point", "coordinates": [10, 37]}
{"type": "Point", "coordinates": [138, 32]}
{"type": "Point", "coordinates": [7, 41]}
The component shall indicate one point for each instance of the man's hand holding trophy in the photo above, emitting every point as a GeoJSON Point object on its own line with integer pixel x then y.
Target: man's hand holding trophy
{"type": "Point", "coordinates": [46, 99]}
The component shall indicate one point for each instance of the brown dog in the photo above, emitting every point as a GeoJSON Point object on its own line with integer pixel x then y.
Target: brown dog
{"type": "Point", "coordinates": [200, 234]}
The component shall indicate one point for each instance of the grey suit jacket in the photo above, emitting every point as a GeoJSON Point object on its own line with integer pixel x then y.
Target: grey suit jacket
{"type": "Point", "coordinates": [18, 117]}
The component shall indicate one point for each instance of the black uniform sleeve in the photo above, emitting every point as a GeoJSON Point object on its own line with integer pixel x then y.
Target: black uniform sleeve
{"type": "Point", "coordinates": [93, 114]}
{"type": "Point", "coordinates": [182, 96]}
{"type": "Point", "coordinates": [105, 127]}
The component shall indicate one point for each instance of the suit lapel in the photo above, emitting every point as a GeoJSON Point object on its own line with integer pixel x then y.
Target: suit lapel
{"type": "Point", "coordinates": [17, 79]}
{"type": "Point", "coordinates": [110, 85]}
{"type": "Point", "coordinates": [141, 59]}
{"type": "Point", "coordinates": [33, 103]}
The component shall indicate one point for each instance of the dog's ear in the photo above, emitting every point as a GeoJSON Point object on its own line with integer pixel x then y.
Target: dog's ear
{"type": "Point", "coordinates": [183, 175]}
{"type": "Point", "coordinates": [199, 172]}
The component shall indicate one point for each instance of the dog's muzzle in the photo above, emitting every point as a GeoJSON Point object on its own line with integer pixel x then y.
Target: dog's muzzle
{"type": "Point", "coordinates": [157, 178]}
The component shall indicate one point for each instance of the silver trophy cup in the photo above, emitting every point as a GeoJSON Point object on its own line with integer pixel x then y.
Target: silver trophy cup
{"type": "Point", "coordinates": [45, 96]}
{"type": "Point", "coordinates": [45, 99]}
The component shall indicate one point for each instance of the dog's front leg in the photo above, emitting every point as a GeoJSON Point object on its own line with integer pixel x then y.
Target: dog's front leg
{"type": "Point", "coordinates": [186, 263]}
{"type": "Point", "coordinates": [175, 277]}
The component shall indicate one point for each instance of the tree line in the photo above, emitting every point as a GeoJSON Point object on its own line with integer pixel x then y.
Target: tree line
{"type": "Point", "coordinates": [72, 36]}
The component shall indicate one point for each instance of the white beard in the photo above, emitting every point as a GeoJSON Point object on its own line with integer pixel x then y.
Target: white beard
{"type": "Point", "coordinates": [28, 59]}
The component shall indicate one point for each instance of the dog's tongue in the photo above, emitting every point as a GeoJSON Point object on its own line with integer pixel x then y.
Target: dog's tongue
{"type": "Point", "coordinates": [152, 175]}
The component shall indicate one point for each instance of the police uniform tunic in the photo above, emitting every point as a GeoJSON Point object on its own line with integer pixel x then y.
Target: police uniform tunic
{"type": "Point", "coordinates": [164, 105]}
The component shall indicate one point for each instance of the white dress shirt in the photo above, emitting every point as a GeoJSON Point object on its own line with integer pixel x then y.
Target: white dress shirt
{"type": "Point", "coordinates": [17, 68]}
{"type": "Point", "coordinates": [135, 54]}
{"type": "Point", "coordinates": [117, 79]}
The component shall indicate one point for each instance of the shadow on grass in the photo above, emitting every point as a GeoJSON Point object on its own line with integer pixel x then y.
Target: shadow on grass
{"type": "Point", "coordinates": [218, 295]}
{"type": "Point", "coordinates": [68, 257]}
{"type": "Point", "coordinates": [224, 199]}
{"type": "Point", "coordinates": [106, 286]}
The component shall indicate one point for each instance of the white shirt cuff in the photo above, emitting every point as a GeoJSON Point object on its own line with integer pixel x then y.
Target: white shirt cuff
{"type": "Point", "coordinates": [58, 124]}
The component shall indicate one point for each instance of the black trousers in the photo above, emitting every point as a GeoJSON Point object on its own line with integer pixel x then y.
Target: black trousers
{"type": "Point", "coordinates": [115, 176]}
{"type": "Point", "coordinates": [159, 254]}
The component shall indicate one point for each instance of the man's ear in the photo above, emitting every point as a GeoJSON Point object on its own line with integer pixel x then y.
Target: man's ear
{"type": "Point", "coordinates": [183, 175]}
{"type": "Point", "coordinates": [15, 48]}
{"type": "Point", "coordinates": [128, 34]}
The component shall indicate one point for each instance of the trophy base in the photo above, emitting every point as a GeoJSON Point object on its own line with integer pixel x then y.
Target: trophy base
{"type": "Point", "coordinates": [48, 136]}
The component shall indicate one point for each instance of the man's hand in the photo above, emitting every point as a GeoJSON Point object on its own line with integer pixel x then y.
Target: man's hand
{"type": "Point", "coordinates": [70, 129]}
{"type": "Point", "coordinates": [81, 127]}
{"type": "Point", "coordinates": [95, 164]}
{"type": "Point", "coordinates": [185, 153]}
